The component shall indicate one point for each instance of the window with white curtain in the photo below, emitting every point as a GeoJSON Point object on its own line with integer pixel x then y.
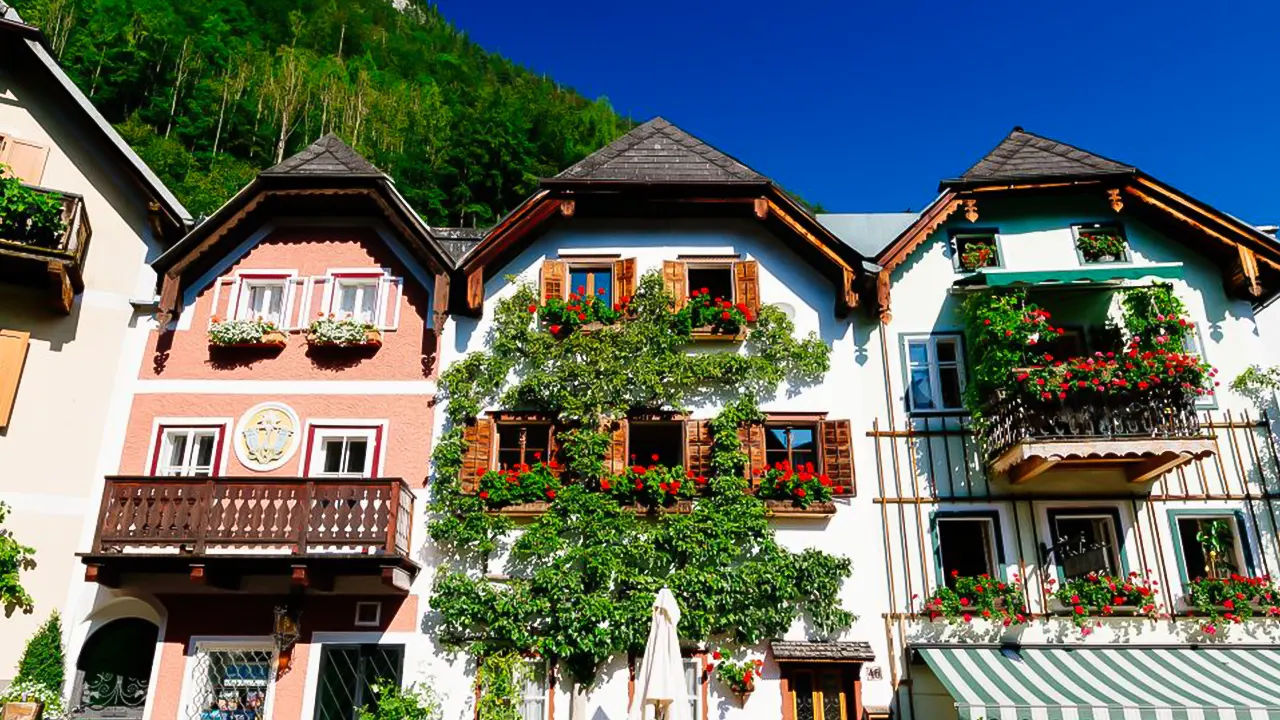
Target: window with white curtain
{"type": "Point", "coordinates": [356, 298]}
{"type": "Point", "coordinates": [533, 693]}
{"type": "Point", "coordinates": [263, 298]}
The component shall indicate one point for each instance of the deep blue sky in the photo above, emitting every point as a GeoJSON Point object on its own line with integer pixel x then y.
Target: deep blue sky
{"type": "Point", "coordinates": [864, 106]}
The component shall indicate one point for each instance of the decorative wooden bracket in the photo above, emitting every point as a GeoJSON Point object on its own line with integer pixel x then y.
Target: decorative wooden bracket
{"type": "Point", "coordinates": [1114, 196]}
{"type": "Point", "coordinates": [440, 303]}
{"type": "Point", "coordinates": [1246, 273]}
{"type": "Point", "coordinates": [475, 290]}
{"type": "Point", "coordinates": [222, 580]}
{"type": "Point", "coordinates": [64, 296]}
{"type": "Point", "coordinates": [971, 210]}
{"type": "Point", "coordinates": [106, 577]}
{"type": "Point", "coordinates": [883, 296]}
{"type": "Point", "coordinates": [761, 207]}
{"type": "Point", "coordinates": [567, 207]}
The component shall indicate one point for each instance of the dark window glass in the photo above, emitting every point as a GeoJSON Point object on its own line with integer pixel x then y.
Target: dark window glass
{"type": "Point", "coordinates": [662, 439]}
{"type": "Point", "coordinates": [596, 282]}
{"type": "Point", "coordinates": [797, 444]}
{"type": "Point", "coordinates": [347, 676]}
{"type": "Point", "coordinates": [967, 547]}
{"type": "Point", "coordinates": [715, 281]}
{"type": "Point", "coordinates": [963, 243]}
{"type": "Point", "coordinates": [522, 444]}
{"type": "Point", "coordinates": [1195, 558]}
{"type": "Point", "coordinates": [1086, 545]}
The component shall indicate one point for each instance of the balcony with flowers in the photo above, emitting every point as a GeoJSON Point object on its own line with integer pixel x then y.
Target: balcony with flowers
{"type": "Point", "coordinates": [1040, 403]}
{"type": "Point", "coordinates": [44, 237]}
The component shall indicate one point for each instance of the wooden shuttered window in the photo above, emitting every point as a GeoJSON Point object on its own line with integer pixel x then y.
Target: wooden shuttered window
{"type": "Point", "coordinates": [553, 280]}
{"type": "Point", "coordinates": [624, 279]}
{"type": "Point", "coordinates": [616, 462]}
{"type": "Point", "coordinates": [746, 284]}
{"type": "Point", "coordinates": [23, 159]}
{"type": "Point", "coordinates": [837, 453]}
{"type": "Point", "coordinates": [698, 447]}
{"type": "Point", "coordinates": [752, 439]}
{"type": "Point", "coordinates": [479, 437]}
{"type": "Point", "coordinates": [13, 355]}
{"type": "Point", "coordinates": [675, 281]}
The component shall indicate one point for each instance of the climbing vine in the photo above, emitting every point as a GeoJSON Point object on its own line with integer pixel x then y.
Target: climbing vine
{"type": "Point", "coordinates": [579, 580]}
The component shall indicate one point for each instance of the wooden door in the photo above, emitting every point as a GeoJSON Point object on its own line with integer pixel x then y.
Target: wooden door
{"type": "Point", "coordinates": [821, 693]}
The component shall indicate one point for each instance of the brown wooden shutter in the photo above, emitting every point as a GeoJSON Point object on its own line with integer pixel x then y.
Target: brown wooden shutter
{"type": "Point", "coordinates": [555, 276]}
{"type": "Point", "coordinates": [747, 284]}
{"type": "Point", "coordinates": [25, 159]}
{"type": "Point", "coordinates": [674, 279]}
{"type": "Point", "coordinates": [13, 355]}
{"type": "Point", "coordinates": [479, 439]}
{"type": "Point", "coordinates": [617, 463]}
{"type": "Point", "coordinates": [553, 450]}
{"type": "Point", "coordinates": [475, 290]}
{"type": "Point", "coordinates": [752, 439]}
{"type": "Point", "coordinates": [624, 278]}
{"type": "Point", "coordinates": [837, 453]}
{"type": "Point", "coordinates": [698, 447]}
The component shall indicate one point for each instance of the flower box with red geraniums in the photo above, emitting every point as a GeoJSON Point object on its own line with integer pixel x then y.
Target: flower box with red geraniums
{"type": "Point", "coordinates": [978, 598]}
{"type": "Point", "coordinates": [652, 486]}
{"type": "Point", "coordinates": [978, 255]}
{"type": "Point", "coordinates": [714, 318]}
{"type": "Point", "coordinates": [257, 333]}
{"type": "Point", "coordinates": [581, 311]}
{"type": "Point", "coordinates": [1100, 246]}
{"type": "Point", "coordinates": [739, 676]}
{"type": "Point", "coordinates": [519, 486]}
{"type": "Point", "coordinates": [1233, 599]}
{"type": "Point", "coordinates": [1094, 596]}
{"type": "Point", "coordinates": [1131, 374]}
{"type": "Point", "coordinates": [800, 486]}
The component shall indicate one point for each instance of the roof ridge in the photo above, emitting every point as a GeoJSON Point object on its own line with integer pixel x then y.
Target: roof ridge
{"type": "Point", "coordinates": [328, 155]}
{"type": "Point", "coordinates": [1025, 155]}
{"type": "Point", "coordinates": [689, 159]}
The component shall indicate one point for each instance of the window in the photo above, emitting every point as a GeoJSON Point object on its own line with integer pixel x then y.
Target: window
{"type": "Point", "coordinates": [231, 684]}
{"type": "Point", "coordinates": [1193, 344]}
{"type": "Point", "coordinates": [935, 372]}
{"type": "Point", "coordinates": [23, 159]}
{"type": "Point", "coordinates": [1085, 542]}
{"type": "Point", "coordinates": [819, 693]}
{"type": "Point", "coordinates": [347, 676]}
{"type": "Point", "coordinates": [1210, 546]}
{"type": "Point", "coordinates": [713, 280]}
{"type": "Point", "coordinates": [693, 685]}
{"type": "Point", "coordinates": [966, 547]}
{"type": "Point", "coordinates": [592, 281]}
{"type": "Point", "coordinates": [188, 452]}
{"type": "Point", "coordinates": [263, 298]}
{"type": "Point", "coordinates": [356, 298]}
{"type": "Point", "coordinates": [662, 440]}
{"type": "Point", "coordinates": [344, 452]}
{"type": "Point", "coordinates": [1100, 243]}
{"type": "Point", "coordinates": [1071, 343]}
{"type": "Point", "coordinates": [975, 249]}
{"type": "Point", "coordinates": [368, 614]}
{"type": "Point", "coordinates": [533, 694]}
{"type": "Point", "coordinates": [796, 444]}
{"type": "Point", "coordinates": [523, 444]}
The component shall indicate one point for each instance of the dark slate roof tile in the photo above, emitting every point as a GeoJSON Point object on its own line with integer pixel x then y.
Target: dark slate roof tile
{"type": "Point", "coordinates": [658, 151]}
{"type": "Point", "coordinates": [326, 156]}
{"type": "Point", "coordinates": [801, 650]}
{"type": "Point", "coordinates": [1025, 156]}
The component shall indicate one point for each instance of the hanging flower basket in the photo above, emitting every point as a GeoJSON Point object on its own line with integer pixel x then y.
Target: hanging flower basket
{"type": "Point", "coordinates": [739, 676]}
{"type": "Point", "coordinates": [246, 334]}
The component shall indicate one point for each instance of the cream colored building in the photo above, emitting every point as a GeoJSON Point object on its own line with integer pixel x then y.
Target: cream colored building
{"type": "Point", "coordinates": [66, 313]}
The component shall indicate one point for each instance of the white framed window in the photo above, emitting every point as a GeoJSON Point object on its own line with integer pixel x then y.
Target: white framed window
{"type": "Point", "coordinates": [533, 690]}
{"type": "Point", "coordinates": [187, 452]}
{"type": "Point", "coordinates": [264, 297]}
{"type": "Point", "coordinates": [368, 614]}
{"type": "Point", "coordinates": [231, 681]}
{"type": "Point", "coordinates": [357, 297]}
{"type": "Point", "coordinates": [1086, 541]}
{"type": "Point", "coordinates": [935, 373]}
{"type": "Point", "coordinates": [693, 670]}
{"type": "Point", "coordinates": [1193, 344]}
{"type": "Point", "coordinates": [344, 452]}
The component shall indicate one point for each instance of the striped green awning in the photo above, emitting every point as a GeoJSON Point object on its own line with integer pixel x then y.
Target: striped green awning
{"type": "Point", "coordinates": [1100, 273]}
{"type": "Point", "coordinates": [1111, 683]}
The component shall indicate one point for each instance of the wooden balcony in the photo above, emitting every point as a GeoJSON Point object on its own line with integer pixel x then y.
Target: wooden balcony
{"type": "Point", "coordinates": [219, 530]}
{"type": "Point", "coordinates": [59, 265]}
{"type": "Point", "coordinates": [1144, 439]}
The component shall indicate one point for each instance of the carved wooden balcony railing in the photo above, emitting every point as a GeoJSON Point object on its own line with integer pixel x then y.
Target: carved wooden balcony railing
{"type": "Point", "coordinates": [1148, 437]}
{"type": "Point", "coordinates": [222, 528]}
{"type": "Point", "coordinates": [58, 265]}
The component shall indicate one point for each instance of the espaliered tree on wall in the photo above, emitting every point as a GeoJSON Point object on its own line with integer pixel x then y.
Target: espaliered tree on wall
{"type": "Point", "coordinates": [581, 577]}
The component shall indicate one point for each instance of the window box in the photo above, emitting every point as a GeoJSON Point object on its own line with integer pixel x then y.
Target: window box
{"type": "Point", "coordinates": [785, 508]}
{"type": "Point", "coordinates": [1099, 243]}
{"type": "Point", "coordinates": [246, 334]}
{"type": "Point", "coordinates": [709, 334]}
{"type": "Point", "coordinates": [976, 249]}
{"type": "Point", "coordinates": [348, 332]}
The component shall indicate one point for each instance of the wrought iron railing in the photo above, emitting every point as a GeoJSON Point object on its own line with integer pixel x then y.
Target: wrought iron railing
{"type": "Point", "coordinates": [1010, 419]}
{"type": "Point", "coordinates": [202, 516]}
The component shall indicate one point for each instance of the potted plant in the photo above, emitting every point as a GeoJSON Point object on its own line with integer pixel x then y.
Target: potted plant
{"type": "Point", "coordinates": [29, 216]}
{"type": "Point", "coordinates": [1092, 596]}
{"type": "Point", "coordinates": [1099, 246]}
{"type": "Point", "coordinates": [801, 486]}
{"type": "Point", "coordinates": [978, 255]}
{"type": "Point", "coordinates": [709, 317]}
{"type": "Point", "coordinates": [331, 331]}
{"type": "Point", "coordinates": [31, 697]}
{"type": "Point", "coordinates": [739, 676]}
{"type": "Point", "coordinates": [246, 333]}
{"type": "Point", "coordinates": [978, 598]}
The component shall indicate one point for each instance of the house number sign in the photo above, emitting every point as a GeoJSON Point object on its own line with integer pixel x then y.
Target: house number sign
{"type": "Point", "coordinates": [267, 436]}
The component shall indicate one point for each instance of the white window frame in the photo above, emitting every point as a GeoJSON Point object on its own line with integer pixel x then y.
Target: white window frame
{"type": "Point", "coordinates": [188, 466]}
{"type": "Point", "coordinates": [974, 234]}
{"type": "Point", "coordinates": [377, 614]}
{"type": "Point", "coordinates": [1193, 344]}
{"type": "Point", "coordinates": [543, 688]}
{"type": "Point", "coordinates": [311, 683]}
{"type": "Point", "coordinates": [389, 289]}
{"type": "Point", "coordinates": [317, 431]}
{"type": "Point", "coordinates": [698, 663]}
{"type": "Point", "coordinates": [207, 644]}
{"type": "Point", "coordinates": [327, 435]}
{"type": "Point", "coordinates": [934, 366]}
{"type": "Point", "coordinates": [246, 281]}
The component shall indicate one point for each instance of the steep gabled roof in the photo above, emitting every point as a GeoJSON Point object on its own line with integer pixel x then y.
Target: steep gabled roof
{"type": "Point", "coordinates": [1023, 156]}
{"type": "Point", "coordinates": [658, 151]}
{"type": "Point", "coordinates": [327, 156]}
{"type": "Point", "coordinates": [19, 37]}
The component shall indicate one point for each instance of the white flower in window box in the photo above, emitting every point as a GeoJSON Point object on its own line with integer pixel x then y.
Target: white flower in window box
{"type": "Point", "coordinates": [332, 331]}
{"type": "Point", "coordinates": [255, 332]}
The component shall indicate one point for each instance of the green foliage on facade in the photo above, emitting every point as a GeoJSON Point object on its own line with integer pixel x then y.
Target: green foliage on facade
{"type": "Point", "coordinates": [581, 578]}
{"type": "Point", "coordinates": [43, 661]}
{"type": "Point", "coordinates": [14, 558]}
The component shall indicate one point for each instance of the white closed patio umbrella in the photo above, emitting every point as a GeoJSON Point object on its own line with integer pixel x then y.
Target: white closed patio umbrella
{"type": "Point", "coordinates": [661, 684]}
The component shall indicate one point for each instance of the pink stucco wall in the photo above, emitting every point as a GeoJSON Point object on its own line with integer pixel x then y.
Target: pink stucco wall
{"type": "Point", "coordinates": [406, 441]}
{"type": "Point", "coordinates": [407, 353]}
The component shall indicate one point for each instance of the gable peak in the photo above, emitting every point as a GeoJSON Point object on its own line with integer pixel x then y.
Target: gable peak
{"type": "Point", "coordinates": [659, 152]}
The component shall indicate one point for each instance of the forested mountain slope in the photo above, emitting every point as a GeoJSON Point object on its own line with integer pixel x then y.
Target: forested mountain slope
{"type": "Point", "coordinates": [211, 91]}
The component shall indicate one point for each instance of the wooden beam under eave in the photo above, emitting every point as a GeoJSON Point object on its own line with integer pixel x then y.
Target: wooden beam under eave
{"type": "Point", "coordinates": [884, 296]}
{"type": "Point", "coordinates": [201, 575]}
{"type": "Point", "coordinates": [1153, 468]}
{"type": "Point", "coordinates": [440, 301]}
{"type": "Point", "coordinates": [1030, 468]}
{"type": "Point", "coordinates": [305, 578]}
{"type": "Point", "coordinates": [104, 576]}
{"type": "Point", "coordinates": [475, 290]}
{"type": "Point", "coordinates": [761, 207]}
{"type": "Point", "coordinates": [397, 578]}
{"type": "Point", "coordinates": [780, 213]}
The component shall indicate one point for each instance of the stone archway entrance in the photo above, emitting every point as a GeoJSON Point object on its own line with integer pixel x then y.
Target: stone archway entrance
{"type": "Point", "coordinates": [114, 669]}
